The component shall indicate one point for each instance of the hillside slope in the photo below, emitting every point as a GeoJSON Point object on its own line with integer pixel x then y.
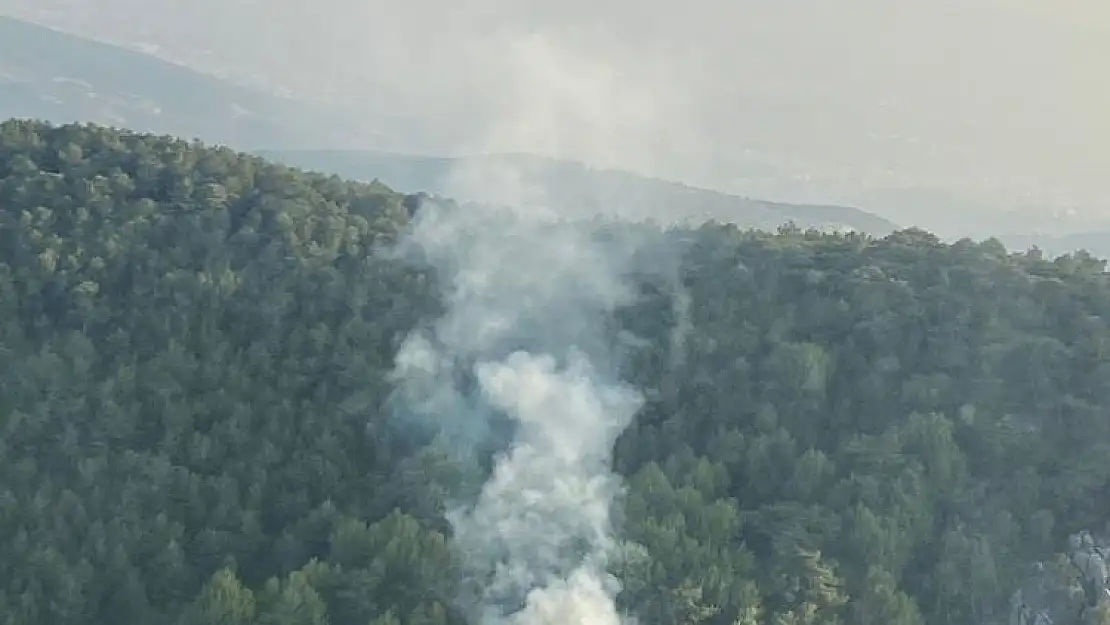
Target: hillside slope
{"type": "Point", "coordinates": [47, 74]}
{"type": "Point", "coordinates": [199, 423]}
{"type": "Point", "coordinates": [573, 188]}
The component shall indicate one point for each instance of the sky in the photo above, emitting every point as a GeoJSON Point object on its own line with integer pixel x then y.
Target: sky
{"type": "Point", "coordinates": [997, 103]}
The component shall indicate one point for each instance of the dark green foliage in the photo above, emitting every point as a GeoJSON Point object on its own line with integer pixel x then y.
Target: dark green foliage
{"type": "Point", "coordinates": [194, 351]}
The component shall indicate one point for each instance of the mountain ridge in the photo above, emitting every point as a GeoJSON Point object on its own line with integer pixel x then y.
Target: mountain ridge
{"type": "Point", "coordinates": [53, 75]}
{"type": "Point", "coordinates": [50, 74]}
{"type": "Point", "coordinates": [571, 186]}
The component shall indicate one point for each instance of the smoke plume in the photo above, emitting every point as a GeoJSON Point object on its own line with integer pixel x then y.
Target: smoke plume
{"type": "Point", "coordinates": [528, 294]}
{"type": "Point", "coordinates": [522, 339]}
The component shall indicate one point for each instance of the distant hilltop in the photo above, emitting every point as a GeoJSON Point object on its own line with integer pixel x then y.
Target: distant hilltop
{"type": "Point", "coordinates": [576, 187]}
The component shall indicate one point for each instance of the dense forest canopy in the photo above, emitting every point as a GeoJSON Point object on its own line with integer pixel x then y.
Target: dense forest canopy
{"type": "Point", "coordinates": [199, 408]}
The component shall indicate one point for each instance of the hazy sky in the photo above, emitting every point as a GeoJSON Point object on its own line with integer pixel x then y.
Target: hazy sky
{"type": "Point", "coordinates": [797, 99]}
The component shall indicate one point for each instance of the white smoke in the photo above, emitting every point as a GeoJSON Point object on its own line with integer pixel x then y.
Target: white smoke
{"type": "Point", "coordinates": [526, 302]}
{"type": "Point", "coordinates": [527, 298]}
{"type": "Point", "coordinates": [545, 510]}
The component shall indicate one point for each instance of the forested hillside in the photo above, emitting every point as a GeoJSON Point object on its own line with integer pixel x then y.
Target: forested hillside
{"type": "Point", "coordinates": [196, 350]}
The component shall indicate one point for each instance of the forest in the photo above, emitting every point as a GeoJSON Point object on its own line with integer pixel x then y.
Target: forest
{"type": "Point", "coordinates": [198, 419]}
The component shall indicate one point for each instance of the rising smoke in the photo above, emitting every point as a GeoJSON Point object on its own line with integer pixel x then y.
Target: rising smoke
{"type": "Point", "coordinates": [523, 339]}
{"type": "Point", "coordinates": [528, 295]}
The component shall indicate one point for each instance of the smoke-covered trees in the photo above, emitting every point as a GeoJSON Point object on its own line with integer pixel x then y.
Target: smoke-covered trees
{"type": "Point", "coordinates": [197, 426]}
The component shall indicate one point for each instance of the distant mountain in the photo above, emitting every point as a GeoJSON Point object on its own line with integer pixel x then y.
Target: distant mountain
{"type": "Point", "coordinates": [1095, 242]}
{"type": "Point", "coordinates": [572, 186]}
{"type": "Point", "coordinates": [51, 75]}
{"type": "Point", "coordinates": [47, 74]}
